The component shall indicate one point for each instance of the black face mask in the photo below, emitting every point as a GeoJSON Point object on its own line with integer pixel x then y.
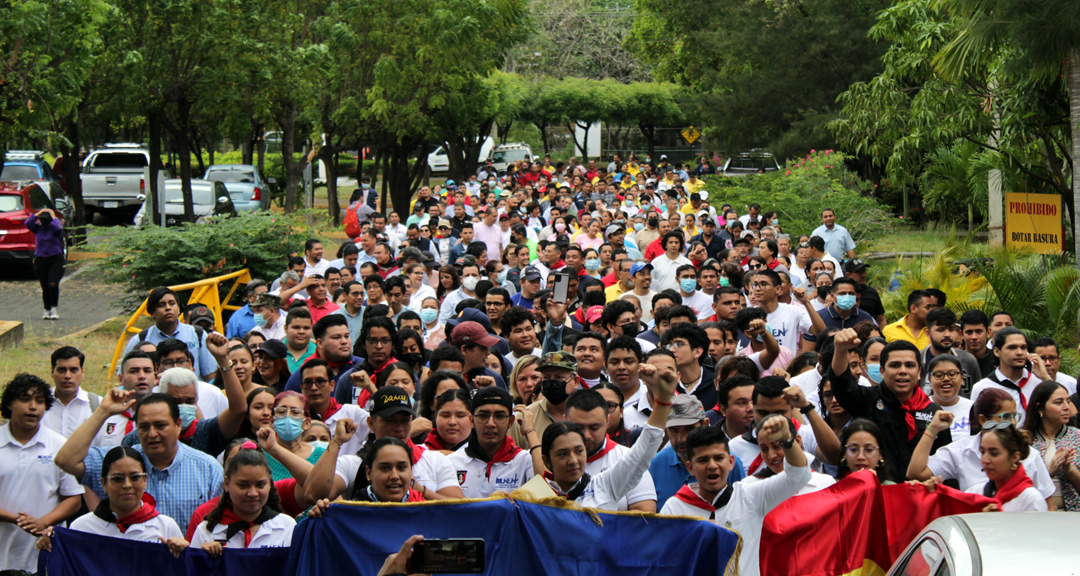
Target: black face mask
{"type": "Point", "coordinates": [554, 391]}
{"type": "Point", "coordinates": [412, 358]}
{"type": "Point", "coordinates": [823, 291]}
{"type": "Point", "coordinates": [630, 328]}
{"type": "Point", "coordinates": [653, 222]}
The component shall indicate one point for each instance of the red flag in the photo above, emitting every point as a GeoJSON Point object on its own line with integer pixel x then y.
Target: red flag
{"type": "Point", "coordinates": [908, 509]}
{"type": "Point", "coordinates": [840, 530]}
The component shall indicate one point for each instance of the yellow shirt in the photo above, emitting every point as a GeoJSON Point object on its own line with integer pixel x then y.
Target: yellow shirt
{"type": "Point", "coordinates": [692, 187]}
{"type": "Point", "coordinates": [899, 331]}
{"type": "Point", "coordinates": [613, 292]}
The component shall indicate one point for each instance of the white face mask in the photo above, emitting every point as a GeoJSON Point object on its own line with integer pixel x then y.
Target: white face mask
{"type": "Point", "coordinates": [470, 282]}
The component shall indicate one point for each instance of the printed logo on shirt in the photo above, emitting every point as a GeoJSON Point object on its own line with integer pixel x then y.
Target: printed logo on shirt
{"type": "Point", "coordinates": [44, 459]}
{"type": "Point", "coordinates": [461, 474]}
{"type": "Point", "coordinates": [960, 424]}
{"type": "Point", "coordinates": [880, 405]}
{"type": "Point", "coordinates": [510, 481]}
{"type": "Point", "coordinates": [780, 334]}
{"type": "Point", "coordinates": [924, 416]}
{"type": "Point", "coordinates": [110, 427]}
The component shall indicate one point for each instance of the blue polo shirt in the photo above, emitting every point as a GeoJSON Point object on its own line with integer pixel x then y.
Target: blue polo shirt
{"type": "Point", "coordinates": [241, 322]}
{"type": "Point", "coordinates": [204, 363]}
{"type": "Point", "coordinates": [669, 475]}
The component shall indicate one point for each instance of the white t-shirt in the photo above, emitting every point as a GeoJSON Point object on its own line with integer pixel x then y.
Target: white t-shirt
{"type": "Point", "coordinates": [750, 454]}
{"type": "Point", "coordinates": [817, 481]}
{"type": "Point", "coordinates": [700, 303]}
{"type": "Point", "coordinates": [664, 272]}
{"type": "Point", "coordinates": [1028, 389]}
{"type": "Point", "coordinates": [319, 267]}
{"type": "Point", "coordinates": [960, 459]}
{"type": "Point", "coordinates": [416, 301]}
{"type": "Point", "coordinates": [1027, 501]}
{"type": "Point", "coordinates": [274, 533]}
{"type": "Point", "coordinates": [746, 509]}
{"type": "Point", "coordinates": [606, 489]}
{"type": "Point", "coordinates": [961, 427]}
{"type": "Point", "coordinates": [644, 491]}
{"type": "Point", "coordinates": [357, 415]}
{"type": "Point", "coordinates": [1067, 381]}
{"type": "Point", "coordinates": [788, 323]}
{"type": "Point", "coordinates": [475, 482]}
{"type": "Point", "coordinates": [149, 531]}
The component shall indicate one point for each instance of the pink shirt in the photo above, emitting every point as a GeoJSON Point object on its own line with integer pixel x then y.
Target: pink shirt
{"type": "Point", "coordinates": [318, 312]}
{"type": "Point", "coordinates": [782, 360]}
{"type": "Point", "coordinates": [490, 235]}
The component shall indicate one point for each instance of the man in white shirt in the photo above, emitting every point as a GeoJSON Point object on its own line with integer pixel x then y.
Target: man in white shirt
{"type": "Point", "coordinates": [73, 405]}
{"type": "Point", "coordinates": [313, 260]}
{"type": "Point", "coordinates": [34, 493]}
{"type": "Point", "coordinates": [666, 264]}
{"type": "Point", "coordinates": [740, 507]}
{"type": "Point", "coordinates": [1012, 375]}
{"type": "Point", "coordinates": [772, 456]}
{"type": "Point", "coordinates": [624, 357]}
{"type": "Point", "coordinates": [490, 234]}
{"type": "Point", "coordinates": [394, 228]}
{"type": "Point", "coordinates": [838, 242]}
{"type": "Point", "coordinates": [489, 460]}
{"type": "Point", "coordinates": [698, 301]}
{"type": "Point", "coordinates": [1047, 349]}
{"type": "Point", "coordinates": [588, 409]}
{"type": "Point", "coordinates": [470, 277]}
{"type": "Point", "coordinates": [788, 322]}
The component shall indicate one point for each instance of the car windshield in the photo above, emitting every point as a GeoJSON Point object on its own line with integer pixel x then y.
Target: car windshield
{"type": "Point", "coordinates": [752, 163]}
{"type": "Point", "coordinates": [19, 173]}
{"type": "Point", "coordinates": [120, 160]}
{"type": "Point", "coordinates": [508, 156]}
{"type": "Point", "coordinates": [200, 195]}
{"type": "Point", "coordinates": [11, 203]}
{"type": "Point", "coordinates": [244, 176]}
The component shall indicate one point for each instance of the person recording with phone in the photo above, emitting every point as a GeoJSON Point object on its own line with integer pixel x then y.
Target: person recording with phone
{"type": "Point", "coordinates": [48, 232]}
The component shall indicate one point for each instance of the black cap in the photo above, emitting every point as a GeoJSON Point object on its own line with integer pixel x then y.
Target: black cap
{"type": "Point", "coordinates": [492, 395]}
{"type": "Point", "coordinates": [273, 348]}
{"type": "Point", "coordinates": [390, 400]}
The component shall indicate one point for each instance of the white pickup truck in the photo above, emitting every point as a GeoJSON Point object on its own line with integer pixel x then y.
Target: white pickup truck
{"type": "Point", "coordinates": [114, 178]}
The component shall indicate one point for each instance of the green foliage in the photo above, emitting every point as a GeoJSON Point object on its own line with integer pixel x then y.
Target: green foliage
{"type": "Point", "coordinates": [143, 258]}
{"type": "Point", "coordinates": [964, 290]}
{"type": "Point", "coordinates": [801, 189]}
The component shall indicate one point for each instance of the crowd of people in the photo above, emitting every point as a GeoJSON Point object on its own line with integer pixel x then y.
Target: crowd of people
{"type": "Point", "coordinates": [614, 331]}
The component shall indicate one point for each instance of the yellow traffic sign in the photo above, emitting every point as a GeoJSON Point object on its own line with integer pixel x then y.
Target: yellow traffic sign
{"type": "Point", "coordinates": [691, 134]}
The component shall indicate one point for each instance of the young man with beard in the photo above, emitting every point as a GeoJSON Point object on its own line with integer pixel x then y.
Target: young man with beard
{"type": "Point", "coordinates": [379, 339]}
{"type": "Point", "coordinates": [740, 507]}
{"type": "Point", "coordinates": [941, 325]}
{"type": "Point", "coordinates": [973, 329]}
{"type": "Point", "coordinates": [773, 458]}
{"type": "Point", "coordinates": [588, 409]}
{"type": "Point", "coordinates": [490, 460]}
{"type": "Point", "coordinates": [669, 467]}
{"type": "Point", "coordinates": [341, 473]}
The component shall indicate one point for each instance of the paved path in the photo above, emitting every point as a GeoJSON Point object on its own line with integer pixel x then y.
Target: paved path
{"type": "Point", "coordinates": [85, 300]}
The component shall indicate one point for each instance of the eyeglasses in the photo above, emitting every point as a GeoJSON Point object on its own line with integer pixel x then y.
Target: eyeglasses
{"type": "Point", "coordinates": [994, 425]}
{"type": "Point", "coordinates": [498, 416]}
{"type": "Point", "coordinates": [613, 406]}
{"type": "Point", "coordinates": [950, 374]}
{"type": "Point", "coordinates": [318, 383]}
{"type": "Point", "coordinates": [166, 364]}
{"type": "Point", "coordinates": [135, 478]}
{"type": "Point", "coordinates": [1050, 358]}
{"type": "Point", "coordinates": [853, 450]}
{"type": "Point", "coordinates": [379, 342]}
{"type": "Point", "coordinates": [283, 412]}
{"type": "Point", "coordinates": [757, 285]}
{"type": "Point", "coordinates": [675, 345]}
{"type": "Point", "coordinates": [1006, 417]}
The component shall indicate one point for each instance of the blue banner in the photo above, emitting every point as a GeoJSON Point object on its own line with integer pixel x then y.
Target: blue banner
{"type": "Point", "coordinates": [82, 554]}
{"type": "Point", "coordinates": [521, 538]}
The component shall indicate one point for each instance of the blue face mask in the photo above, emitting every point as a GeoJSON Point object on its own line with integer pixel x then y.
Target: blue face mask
{"type": "Point", "coordinates": [288, 428]}
{"type": "Point", "coordinates": [187, 415]}
{"type": "Point", "coordinates": [688, 284]}
{"type": "Point", "coordinates": [319, 444]}
{"type": "Point", "coordinates": [724, 282]}
{"type": "Point", "coordinates": [429, 315]}
{"type": "Point", "coordinates": [592, 264]}
{"type": "Point", "coordinates": [845, 301]}
{"type": "Point", "coordinates": [499, 279]}
{"type": "Point", "coordinates": [645, 205]}
{"type": "Point", "coordinates": [639, 226]}
{"type": "Point", "coordinates": [873, 372]}
{"type": "Point", "coordinates": [260, 320]}
{"type": "Point", "coordinates": [761, 337]}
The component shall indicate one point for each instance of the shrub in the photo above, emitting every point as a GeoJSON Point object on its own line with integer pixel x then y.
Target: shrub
{"type": "Point", "coordinates": [143, 258]}
{"type": "Point", "coordinates": [801, 189]}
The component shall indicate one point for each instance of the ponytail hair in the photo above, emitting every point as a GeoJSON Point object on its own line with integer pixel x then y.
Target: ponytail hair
{"type": "Point", "coordinates": [247, 456]}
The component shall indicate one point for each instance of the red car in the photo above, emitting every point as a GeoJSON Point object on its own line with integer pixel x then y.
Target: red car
{"type": "Point", "coordinates": [18, 201]}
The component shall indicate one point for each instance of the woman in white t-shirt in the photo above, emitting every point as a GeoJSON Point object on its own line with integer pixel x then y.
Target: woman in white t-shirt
{"type": "Point", "coordinates": [248, 515]}
{"type": "Point", "coordinates": [946, 376]}
{"type": "Point", "coordinates": [128, 511]}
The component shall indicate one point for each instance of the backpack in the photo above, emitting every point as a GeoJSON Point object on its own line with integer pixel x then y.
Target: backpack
{"type": "Point", "coordinates": [352, 220]}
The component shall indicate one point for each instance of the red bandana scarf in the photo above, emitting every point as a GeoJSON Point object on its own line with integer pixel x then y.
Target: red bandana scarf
{"type": "Point", "coordinates": [918, 401]}
{"type": "Point", "coordinates": [1016, 484]}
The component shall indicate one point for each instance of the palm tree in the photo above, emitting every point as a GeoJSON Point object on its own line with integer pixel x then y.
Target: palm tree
{"type": "Point", "coordinates": [1046, 38]}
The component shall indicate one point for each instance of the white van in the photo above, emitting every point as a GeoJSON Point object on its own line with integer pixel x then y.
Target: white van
{"type": "Point", "coordinates": [439, 160]}
{"type": "Point", "coordinates": [507, 153]}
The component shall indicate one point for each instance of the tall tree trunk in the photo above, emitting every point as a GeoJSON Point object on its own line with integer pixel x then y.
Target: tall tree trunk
{"type": "Point", "coordinates": [286, 119]}
{"type": "Point", "coordinates": [72, 180]}
{"type": "Point", "coordinates": [154, 122]}
{"type": "Point", "coordinates": [182, 136]}
{"type": "Point", "coordinates": [1074, 121]}
{"type": "Point", "coordinates": [328, 155]}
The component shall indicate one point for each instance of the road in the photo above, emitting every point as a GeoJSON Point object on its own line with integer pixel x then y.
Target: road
{"type": "Point", "coordinates": [85, 300]}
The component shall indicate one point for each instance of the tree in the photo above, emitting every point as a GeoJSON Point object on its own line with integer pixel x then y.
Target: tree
{"type": "Point", "coordinates": [467, 120]}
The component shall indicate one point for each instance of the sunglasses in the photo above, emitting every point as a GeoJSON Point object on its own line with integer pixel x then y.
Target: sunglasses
{"type": "Point", "coordinates": [992, 425]}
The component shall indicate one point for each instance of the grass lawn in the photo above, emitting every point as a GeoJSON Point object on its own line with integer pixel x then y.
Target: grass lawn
{"type": "Point", "coordinates": [908, 241]}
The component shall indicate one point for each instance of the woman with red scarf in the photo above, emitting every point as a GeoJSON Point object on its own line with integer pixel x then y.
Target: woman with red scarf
{"type": "Point", "coordinates": [388, 466]}
{"type": "Point", "coordinates": [248, 515]}
{"type": "Point", "coordinates": [1003, 448]}
{"type": "Point", "coordinates": [128, 512]}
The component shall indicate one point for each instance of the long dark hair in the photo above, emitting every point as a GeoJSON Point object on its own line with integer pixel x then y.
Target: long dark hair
{"type": "Point", "coordinates": [428, 388]}
{"type": "Point", "coordinates": [455, 275]}
{"type": "Point", "coordinates": [619, 393]}
{"type": "Point", "coordinates": [868, 426]}
{"type": "Point", "coordinates": [245, 457]}
{"type": "Point", "coordinates": [1039, 397]}
{"type": "Point", "coordinates": [245, 430]}
{"type": "Point", "coordinates": [367, 459]}
{"type": "Point", "coordinates": [115, 455]}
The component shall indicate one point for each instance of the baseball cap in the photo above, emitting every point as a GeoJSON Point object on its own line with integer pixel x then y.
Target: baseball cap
{"type": "Point", "coordinates": [267, 299]}
{"type": "Point", "coordinates": [273, 348]}
{"type": "Point", "coordinates": [686, 409]}
{"type": "Point", "coordinates": [639, 266]}
{"type": "Point", "coordinates": [504, 216]}
{"type": "Point", "coordinates": [558, 360]}
{"type": "Point", "coordinates": [613, 229]}
{"type": "Point", "coordinates": [201, 314]}
{"type": "Point", "coordinates": [492, 395]}
{"type": "Point", "coordinates": [449, 182]}
{"type": "Point", "coordinates": [470, 315]}
{"type": "Point", "coordinates": [413, 254]}
{"type": "Point", "coordinates": [443, 223]}
{"type": "Point", "coordinates": [855, 265]}
{"type": "Point", "coordinates": [390, 400]}
{"type": "Point", "coordinates": [594, 313]}
{"type": "Point", "coordinates": [530, 273]}
{"type": "Point", "coordinates": [471, 333]}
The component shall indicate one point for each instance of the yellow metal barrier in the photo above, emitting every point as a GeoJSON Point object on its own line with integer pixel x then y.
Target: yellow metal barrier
{"type": "Point", "coordinates": [204, 292]}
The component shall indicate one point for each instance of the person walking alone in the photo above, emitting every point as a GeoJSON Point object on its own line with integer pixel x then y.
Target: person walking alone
{"type": "Point", "coordinates": [48, 257]}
